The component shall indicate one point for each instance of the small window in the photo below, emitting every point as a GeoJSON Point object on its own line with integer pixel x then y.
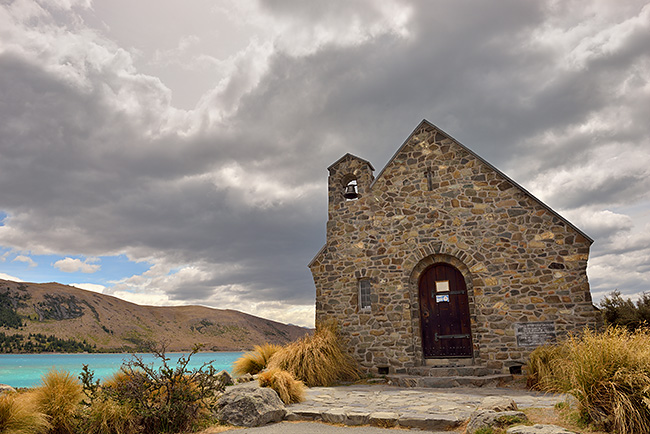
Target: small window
{"type": "Point", "coordinates": [364, 294]}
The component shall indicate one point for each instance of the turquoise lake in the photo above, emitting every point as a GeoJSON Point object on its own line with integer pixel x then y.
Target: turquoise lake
{"type": "Point", "coordinates": [26, 370]}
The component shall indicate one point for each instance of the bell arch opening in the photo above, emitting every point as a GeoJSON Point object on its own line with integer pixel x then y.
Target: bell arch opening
{"type": "Point", "coordinates": [350, 188]}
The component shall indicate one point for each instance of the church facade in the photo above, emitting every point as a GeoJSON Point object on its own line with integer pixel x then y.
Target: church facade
{"type": "Point", "coordinates": [441, 257]}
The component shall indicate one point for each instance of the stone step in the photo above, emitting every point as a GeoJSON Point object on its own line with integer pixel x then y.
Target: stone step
{"type": "Point", "coordinates": [450, 371]}
{"type": "Point", "coordinates": [383, 419]}
{"type": "Point", "coordinates": [492, 380]}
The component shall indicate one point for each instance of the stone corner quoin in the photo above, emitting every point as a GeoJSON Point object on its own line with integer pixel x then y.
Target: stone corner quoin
{"type": "Point", "coordinates": [444, 257]}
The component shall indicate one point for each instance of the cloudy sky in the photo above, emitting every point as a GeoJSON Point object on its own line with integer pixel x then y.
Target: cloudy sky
{"type": "Point", "coordinates": [175, 152]}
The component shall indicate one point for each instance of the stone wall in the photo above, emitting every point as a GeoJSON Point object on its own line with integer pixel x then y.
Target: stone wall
{"type": "Point", "coordinates": [434, 202]}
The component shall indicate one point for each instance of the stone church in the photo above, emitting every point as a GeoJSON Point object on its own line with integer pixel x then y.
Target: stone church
{"type": "Point", "coordinates": [443, 259]}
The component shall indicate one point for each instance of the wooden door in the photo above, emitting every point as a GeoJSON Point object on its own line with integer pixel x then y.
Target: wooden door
{"type": "Point", "coordinates": [444, 313]}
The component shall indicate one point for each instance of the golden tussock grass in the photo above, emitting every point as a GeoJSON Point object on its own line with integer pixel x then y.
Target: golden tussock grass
{"type": "Point", "coordinates": [288, 388]}
{"type": "Point", "coordinates": [255, 361]}
{"type": "Point", "coordinates": [318, 359]}
{"type": "Point", "coordinates": [118, 379]}
{"type": "Point", "coordinates": [106, 416]}
{"type": "Point", "coordinates": [608, 373]}
{"type": "Point", "coordinates": [19, 415]}
{"type": "Point", "coordinates": [58, 397]}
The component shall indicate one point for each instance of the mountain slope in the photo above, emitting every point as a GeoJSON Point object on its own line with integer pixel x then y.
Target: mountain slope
{"type": "Point", "coordinates": [114, 324]}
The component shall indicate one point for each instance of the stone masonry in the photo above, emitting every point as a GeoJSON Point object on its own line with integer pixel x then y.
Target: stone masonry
{"type": "Point", "coordinates": [438, 202]}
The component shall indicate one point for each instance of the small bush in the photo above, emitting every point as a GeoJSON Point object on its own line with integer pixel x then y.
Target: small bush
{"type": "Point", "coordinates": [163, 399]}
{"type": "Point", "coordinates": [255, 361]}
{"type": "Point", "coordinates": [18, 415]}
{"type": "Point", "coordinates": [317, 360]}
{"type": "Point", "coordinates": [608, 374]}
{"type": "Point", "coordinates": [59, 396]}
{"type": "Point", "coordinates": [288, 388]}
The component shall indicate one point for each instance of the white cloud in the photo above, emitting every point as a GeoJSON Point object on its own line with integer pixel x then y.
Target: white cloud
{"type": "Point", "coordinates": [10, 277]}
{"type": "Point", "coordinates": [599, 224]}
{"type": "Point", "coordinates": [26, 259]}
{"type": "Point", "coordinates": [284, 312]}
{"type": "Point", "coordinates": [157, 298]}
{"type": "Point", "coordinates": [89, 287]}
{"type": "Point", "coordinates": [73, 265]}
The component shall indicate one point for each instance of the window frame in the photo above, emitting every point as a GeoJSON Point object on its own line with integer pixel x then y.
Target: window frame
{"type": "Point", "coordinates": [365, 294]}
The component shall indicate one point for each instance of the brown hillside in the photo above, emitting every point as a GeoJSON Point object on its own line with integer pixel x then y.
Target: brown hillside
{"type": "Point", "coordinates": [111, 323]}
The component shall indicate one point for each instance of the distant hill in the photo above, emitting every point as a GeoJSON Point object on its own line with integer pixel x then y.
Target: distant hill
{"type": "Point", "coordinates": [111, 324]}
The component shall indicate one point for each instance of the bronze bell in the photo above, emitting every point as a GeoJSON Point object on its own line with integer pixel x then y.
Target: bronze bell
{"type": "Point", "coordinates": [351, 192]}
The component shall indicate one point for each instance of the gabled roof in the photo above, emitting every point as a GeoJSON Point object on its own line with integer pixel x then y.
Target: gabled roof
{"type": "Point", "coordinates": [469, 151]}
{"type": "Point", "coordinates": [351, 156]}
{"type": "Point", "coordinates": [478, 157]}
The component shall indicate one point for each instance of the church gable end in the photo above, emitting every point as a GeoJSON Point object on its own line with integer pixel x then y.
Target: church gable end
{"type": "Point", "coordinates": [517, 263]}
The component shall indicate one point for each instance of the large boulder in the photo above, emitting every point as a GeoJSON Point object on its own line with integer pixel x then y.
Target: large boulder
{"type": "Point", "coordinates": [250, 405]}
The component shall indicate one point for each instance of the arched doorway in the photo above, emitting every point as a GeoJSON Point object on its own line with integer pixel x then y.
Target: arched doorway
{"type": "Point", "coordinates": [444, 313]}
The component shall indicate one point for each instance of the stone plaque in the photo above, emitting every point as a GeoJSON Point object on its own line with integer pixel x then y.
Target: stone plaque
{"type": "Point", "coordinates": [534, 334]}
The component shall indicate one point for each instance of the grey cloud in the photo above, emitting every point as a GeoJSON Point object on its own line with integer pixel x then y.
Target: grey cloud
{"type": "Point", "coordinates": [79, 175]}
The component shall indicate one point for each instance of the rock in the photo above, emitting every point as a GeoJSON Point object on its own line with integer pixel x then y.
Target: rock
{"type": "Point", "coordinates": [4, 388]}
{"type": "Point", "coordinates": [249, 405]}
{"type": "Point", "coordinates": [489, 418]}
{"type": "Point", "coordinates": [225, 378]}
{"type": "Point", "coordinates": [498, 403]}
{"type": "Point", "coordinates": [245, 378]}
{"type": "Point", "coordinates": [538, 429]}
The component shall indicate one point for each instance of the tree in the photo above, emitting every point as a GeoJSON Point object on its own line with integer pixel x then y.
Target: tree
{"type": "Point", "coordinates": [619, 311]}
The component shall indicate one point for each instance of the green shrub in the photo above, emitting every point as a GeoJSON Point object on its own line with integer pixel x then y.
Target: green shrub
{"type": "Point", "coordinates": [254, 361]}
{"type": "Point", "coordinates": [608, 373]}
{"type": "Point", "coordinates": [18, 415]}
{"type": "Point", "coordinates": [58, 397]}
{"type": "Point", "coordinates": [164, 399]}
{"type": "Point", "coordinates": [287, 387]}
{"type": "Point", "coordinates": [623, 312]}
{"type": "Point", "coordinates": [318, 359]}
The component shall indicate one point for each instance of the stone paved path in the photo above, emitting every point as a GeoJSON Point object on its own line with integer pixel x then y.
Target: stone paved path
{"type": "Point", "coordinates": [388, 406]}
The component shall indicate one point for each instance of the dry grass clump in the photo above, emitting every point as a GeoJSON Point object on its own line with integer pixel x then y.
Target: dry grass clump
{"type": "Point", "coordinates": [18, 415]}
{"type": "Point", "coordinates": [116, 381]}
{"type": "Point", "coordinates": [545, 373]}
{"type": "Point", "coordinates": [58, 397]}
{"type": "Point", "coordinates": [288, 388]}
{"type": "Point", "coordinates": [255, 361]}
{"type": "Point", "coordinates": [318, 359]}
{"type": "Point", "coordinates": [608, 373]}
{"type": "Point", "coordinates": [107, 416]}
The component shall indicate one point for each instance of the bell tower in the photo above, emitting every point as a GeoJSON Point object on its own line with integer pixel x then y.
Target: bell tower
{"type": "Point", "coordinates": [349, 180]}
